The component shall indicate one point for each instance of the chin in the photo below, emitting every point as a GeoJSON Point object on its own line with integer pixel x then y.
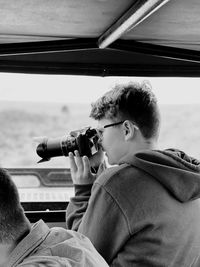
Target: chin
{"type": "Point", "coordinates": [109, 160]}
{"type": "Point", "coordinates": [112, 162]}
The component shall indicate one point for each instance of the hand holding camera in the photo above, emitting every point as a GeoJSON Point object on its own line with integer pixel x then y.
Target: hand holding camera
{"type": "Point", "coordinates": [81, 167]}
{"type": "Point", "coordinates": [83, 149]}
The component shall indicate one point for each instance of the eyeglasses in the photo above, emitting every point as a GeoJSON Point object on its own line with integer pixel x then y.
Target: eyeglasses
{"type": "Point", "coordinates": [113, 124]}
{"type": "Point", "coordinates": [100, 131]}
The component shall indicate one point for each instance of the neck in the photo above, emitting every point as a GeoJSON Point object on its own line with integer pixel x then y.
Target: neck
{"type": "Point", "coordinates": [136, 147]}
{"type": "Point", "coordinates": [22, 236]}
{"type": "Point", "coordinates": [7, 248]}
{"type": "Point", "coordinates": [144, 145]}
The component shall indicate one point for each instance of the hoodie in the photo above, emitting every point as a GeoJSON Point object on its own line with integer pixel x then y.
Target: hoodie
{"type": "Point", "coordinates": [144, 212]}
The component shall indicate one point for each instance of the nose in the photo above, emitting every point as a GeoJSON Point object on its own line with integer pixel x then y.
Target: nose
{"type": "Point", "coordinates": [99, 142]}
{"type": "Point", "coordinates": [100, 146]}
{"type": "Point", "coordinates": [99, 138]}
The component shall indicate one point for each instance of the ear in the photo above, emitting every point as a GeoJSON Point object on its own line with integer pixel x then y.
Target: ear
{"type": "Point", "coordinates": [128, 130]}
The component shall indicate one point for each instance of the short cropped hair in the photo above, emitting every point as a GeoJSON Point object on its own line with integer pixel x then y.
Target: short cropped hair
{"type": "Point", "coordinates": [132, 101]}
{"type": "Point", "coordinates": [12, 218]}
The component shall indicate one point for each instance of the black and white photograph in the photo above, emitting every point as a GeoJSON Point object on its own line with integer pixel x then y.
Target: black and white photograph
{"type": "Point", "coordinates": [100, 133]}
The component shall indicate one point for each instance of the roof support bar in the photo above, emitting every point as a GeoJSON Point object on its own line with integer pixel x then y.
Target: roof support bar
{"type": "Point", "coordinates": [138, 12]}
{"type": "Point", "coordinates": [47, 46]}
{"type": "Point", "coordinates": [173, 53]}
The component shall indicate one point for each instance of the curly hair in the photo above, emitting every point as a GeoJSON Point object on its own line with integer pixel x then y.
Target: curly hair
{"type": "Point", "coordinates": [132, 101]}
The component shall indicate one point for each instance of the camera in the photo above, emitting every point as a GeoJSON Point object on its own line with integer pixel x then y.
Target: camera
{"type": "Point", "coordinates": [84, 140]}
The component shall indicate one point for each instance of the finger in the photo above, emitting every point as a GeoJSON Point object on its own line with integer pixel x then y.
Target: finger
{"type": "Point", "coordinates": [86, 165]}
{"type": "Point", "coordinates": [72, 162]}
{"type": "Point", "coordinates": [78, 160]}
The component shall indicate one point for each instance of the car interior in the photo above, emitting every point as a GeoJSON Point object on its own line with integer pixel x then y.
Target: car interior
{"type": "Point", "coordinates": [68, 42]}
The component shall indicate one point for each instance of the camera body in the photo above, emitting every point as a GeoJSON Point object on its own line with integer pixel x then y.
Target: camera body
{"type": "Point", "coordinates": [84, 140]}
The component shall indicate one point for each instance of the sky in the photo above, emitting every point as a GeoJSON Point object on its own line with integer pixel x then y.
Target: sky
{"type": "Point", "coordinates": [82, 89]}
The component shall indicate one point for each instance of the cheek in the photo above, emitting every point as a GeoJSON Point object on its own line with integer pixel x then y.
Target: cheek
{"type": "Point", "coordinates": [110, 142]}
{"type": "Point", "coordinates": [112, 148]}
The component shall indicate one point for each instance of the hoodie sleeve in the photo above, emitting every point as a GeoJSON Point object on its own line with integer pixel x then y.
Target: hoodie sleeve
{"type": "Point", "coordinates": [77, 206]}
{"type": "Point", "coordinates": [99, 223]}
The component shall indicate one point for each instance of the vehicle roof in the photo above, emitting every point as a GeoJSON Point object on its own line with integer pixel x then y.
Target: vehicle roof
{"type": "Point", "coordinates": [67, 37]}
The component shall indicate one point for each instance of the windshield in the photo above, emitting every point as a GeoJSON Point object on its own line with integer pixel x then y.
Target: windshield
{"type": "Point", "coordinates": [54, 105]}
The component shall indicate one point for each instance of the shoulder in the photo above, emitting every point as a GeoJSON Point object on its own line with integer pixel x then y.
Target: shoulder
{"type": "Point", "coordinates": [59, 236]}
{"type": "Point", "coordinates": [65, 247]}
{"type": "Point", "coordinates": [77, 247]}
{"type": "Point", "coordinates": [116, 173]}
{"type": "Point", "coordinates": [125, 181]}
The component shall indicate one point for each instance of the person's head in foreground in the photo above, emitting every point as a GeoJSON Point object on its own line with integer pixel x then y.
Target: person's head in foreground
{"type": "Point", "coordinates": [128, 120]}
{"type": "Point", "coordinates": [24, 245]}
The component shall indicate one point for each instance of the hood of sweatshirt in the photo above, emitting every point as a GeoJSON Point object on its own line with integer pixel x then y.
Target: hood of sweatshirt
{"type": "Point", "coordinates": [175, 170]}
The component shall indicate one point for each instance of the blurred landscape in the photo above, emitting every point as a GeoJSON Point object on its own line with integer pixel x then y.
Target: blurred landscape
{"type": "Point", "coordinates": [21, 122]}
